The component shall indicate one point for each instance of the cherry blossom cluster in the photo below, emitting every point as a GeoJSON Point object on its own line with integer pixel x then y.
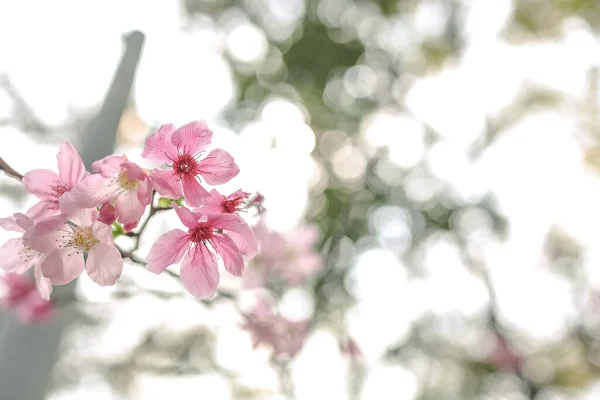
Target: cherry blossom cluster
{"type": "Point", "coordinates": [70, 229]}
{"type": "Point", "coordinates": [287, 260]}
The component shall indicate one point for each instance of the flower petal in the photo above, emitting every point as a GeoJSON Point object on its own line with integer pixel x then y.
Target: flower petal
{"type": "Point", "coordinates": [199, 272]}
{"type": "Point", "coordinates": [158, 147]}
{"type": "Point", "coordinates": [133, 171]}
{"type": "Point", "coordinates": [238, 230]}
{"type": "Point", "coordinates": [102, 232]}
{"type": "Point", "coordinates": [194, 193]}
{"type": "Point", "coordinates": [218, 167]}
{"type": "Point", "coordinates": [213, 204]}
{"type": "Point", "coordinates": [10, 224]}
{"type": "Point", "coordinates": [232, 259]}
{"type": "Point", "coordinates": [167, 250]}
{"type": "Point", "coordinates": [104, 264]}
{"type": "Point", "coordinates": [62, 266]}
{"type": "Point", "coordinates": [39, 182]}
{"type": "Point", "coordinates": [90, 192]}
{"type": "Point", "coordinates": [166, 182]}
{"type": "Point", "coordinates": [45, 236]}
{"type": "Point", "coordinates": [42, 284]}
{"type": "Point", "coordinates": [186, 216]}
{"type": "Point", "coordinates": [10, 254]}
{"type": "Point", "coordinates": [70, 165]}
{"type": "Point", "coordinates": [144, 192]}
{"type": "Point", "coordinates": [109, 166]}
{"type": "Point", "coordinates": [129, 208]}
{"type": "Point", "coordinates": [192, 137]}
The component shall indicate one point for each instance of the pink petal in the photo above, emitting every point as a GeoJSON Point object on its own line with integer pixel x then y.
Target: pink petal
{"type": "Point", "coordinates": [10, 254]}
{"type": "Point", "coordinates": [90, 192]}
{"type": "Point", "coordinates": [45, 236]}
{"type": "Point", "coordinates": [134, 172]}
{"type": "Point", "coordinates": [213, 204]}
{"type": "Point", "coordinates": [144, 192]}
{"type": "Point", "coordinates": [238, 194]}
{"type": "Point", "coordinates": [187, 217]}
{"type": "Point", "coordinates": [35, 310]}
{"type": "Point", "coordinates": [129, 208]}
{"type": "Point", "coordinates": [305, 238]}
{"type": "Point", "coordinates": [10, 224]}
{"type": "Point", "coordinates": [166, 182]}
{"type": "Point", "coordinates": [192, 137]}
{"type": "Point", "coordinates": [158, 147]}
{"type": "Point", "coordinates": [238, 230]}
{"type": "Point", "coordinates": [70, 165]}
{"type": "Point", "coordinates": [36, 212]}
{"type": "Point", "coordinates": [104, 264]}
{"type": "Point", "coordinates": [42, 284]}
{"type": "Point", "coordinates": [194, 193]}
{"type": "Point", "coordinates": [84, 216]}
{"type": "Point", "coordinates": [109, 166]}
{"type": "Point", "coordinates": [63, 265]}
{"type": "Point", "coordinates": [167, 250]}
{"type": "Point", "coordinates": [199, 272]}
{"type": "Point", "coordinates": [102, 232]}
{"type": "Point", "coordinates": [218, 167]}
{"type": "Point", "coordinates": [232, 259]}
{"type": "Point", "coordinates": [39, 182]}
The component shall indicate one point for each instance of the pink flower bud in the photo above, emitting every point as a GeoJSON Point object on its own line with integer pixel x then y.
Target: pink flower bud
{"type": "Point", "coordinates": [107, 214]}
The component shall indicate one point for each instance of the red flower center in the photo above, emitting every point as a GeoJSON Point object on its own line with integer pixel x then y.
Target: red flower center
{"type": "Point", "coordinates": [231, 206]}
{"type": "Point", "coordinates": [200, 234]}
{"type": "Point", "coordinates": [185, 164]}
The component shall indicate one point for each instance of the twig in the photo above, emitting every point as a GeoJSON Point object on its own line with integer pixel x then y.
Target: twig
{"type": "Point", "coordinates": [10, 171]}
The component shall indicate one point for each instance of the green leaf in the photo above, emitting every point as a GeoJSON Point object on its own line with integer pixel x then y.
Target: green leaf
{"type": "Point", "coordinates": [117, 230]}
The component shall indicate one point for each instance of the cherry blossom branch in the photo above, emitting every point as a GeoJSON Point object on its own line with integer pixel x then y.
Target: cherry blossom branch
{"type": "Point", "coordinates": [10, 171]}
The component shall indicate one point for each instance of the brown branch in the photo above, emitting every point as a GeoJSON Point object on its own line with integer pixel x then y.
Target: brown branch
{"type": "Point", "coordinates": [10, 171]}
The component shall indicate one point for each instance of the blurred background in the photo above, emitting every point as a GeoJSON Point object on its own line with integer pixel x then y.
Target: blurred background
{"type": "Point", "coordinates": [447, 150]}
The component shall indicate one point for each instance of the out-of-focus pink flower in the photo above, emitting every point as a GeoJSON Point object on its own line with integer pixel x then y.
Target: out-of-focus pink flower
{"type": "Point", "coordinates": [65, 244]}
{"type": "Point", "coordinates": [21, 295]}
{"type": "Point", "coordinates": [270, 328]}
{"type": "Point", "coordinates": [216, 203]}
{"type": "Point", "coordinates": [227, 234]}
{"type": "Point", "coordinates": [35, 309]}
{"type": "Point", "coordinates": [120, 187]}
{"type": "Point", "coordinates": [350, 348]}
{"type": "Point", "coordinates": [257, 201]}
{"type": "Point", "coordinates": [293, 255]}
{"type": "Point", "coordinates": [181, 149]}
{"type": "Point", "coordinates": [503, 357]}
{"type": "Point", "coordinates": [48, 186]}
{"type": "Point", "coordinates": [17, 257]}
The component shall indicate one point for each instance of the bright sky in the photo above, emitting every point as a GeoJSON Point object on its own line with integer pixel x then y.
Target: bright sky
{"type": "Point", "coordinates": [63, 55]}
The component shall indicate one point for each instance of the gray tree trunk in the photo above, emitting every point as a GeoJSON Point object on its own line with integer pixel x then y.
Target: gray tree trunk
{"type": "Point", "coordinates": [29, 352]}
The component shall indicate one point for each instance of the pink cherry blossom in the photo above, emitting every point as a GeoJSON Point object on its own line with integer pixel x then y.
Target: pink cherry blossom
{"type": "Point", "coordinates": [216, 203]}
{"type": "Point", "coordinates": [350, 348]}
{"type": "Point", "coordinates": [48, 186]}
{"type": "Point", "coordinates": [283, 336]}
{"type": "Point", "coordinates": [292, 256]}
{"type": "Point", "coordinates": [16, 257]}
{"type": "Point", "coordinates": [226, 234]}
{"type": "Point", "coordinates": [181, 149]}
{"type": "Point", "coordinates": [21, 295]}
{"type": "Point", "coordinates": [119, 186]}
{"type": "Point", "coordinates": [65, 243]}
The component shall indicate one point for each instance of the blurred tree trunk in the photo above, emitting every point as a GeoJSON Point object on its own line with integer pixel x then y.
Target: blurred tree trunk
{"type": "Point", "coordinates": [29, 352]}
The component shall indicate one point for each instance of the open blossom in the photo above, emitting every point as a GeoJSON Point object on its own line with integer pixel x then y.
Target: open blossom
{"type": "Point", "coordinates": [226, 234]}
{"type": "Point", "coordinates": [16, 257]}
{"type": "Point", "coordinates": [217, 203]}
{"type": "Point", "coordinates": [65, 243]}
{"type": "Point", "coordinates": [21, 295]}
{"type": "Point", "coordinates": [48, 186]}
{"type": "Point", "coordinates": [284, 336]}
{"type": "Point", "coordinates": [181, 149]}
{"type": "Point", "coordinates": [120, 187]}
{"type": "Point", "coordinates": [292, 256]}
